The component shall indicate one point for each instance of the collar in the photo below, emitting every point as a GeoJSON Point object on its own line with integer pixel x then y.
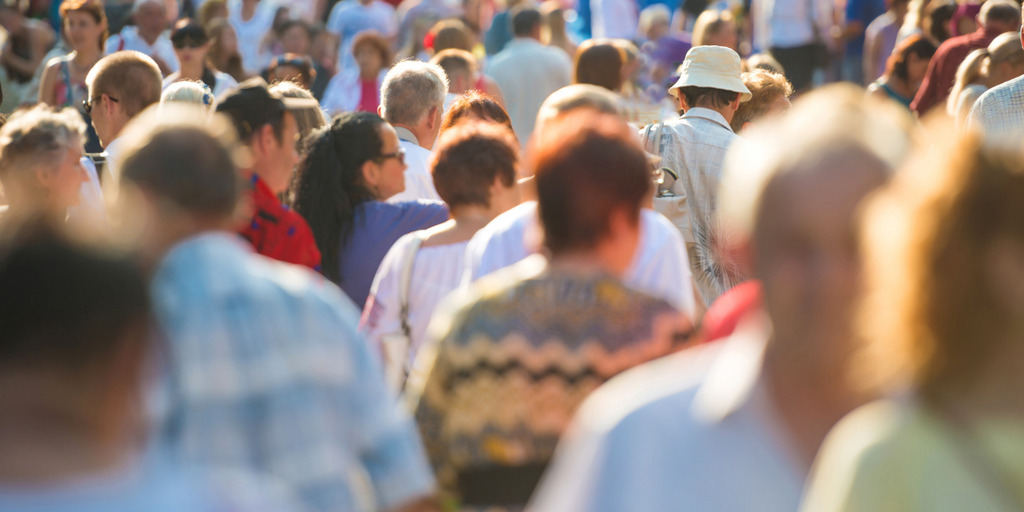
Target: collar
{"type": "Point", "coordinates": [707, 114]}
{"type": "Point", "coordinates": [523, 41]}
{"type": "Point", "coordinates": [735, 381]}
{"type": "Point", "coordinates": [407, 135]}
{"type": "Point", "coordinates": [263, 197]}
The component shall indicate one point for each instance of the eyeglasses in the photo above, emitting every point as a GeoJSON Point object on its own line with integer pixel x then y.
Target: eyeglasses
{"type": "Point", "coordinates": [399, 154]}
{"type": "Point", "coordinates": [88, 103]}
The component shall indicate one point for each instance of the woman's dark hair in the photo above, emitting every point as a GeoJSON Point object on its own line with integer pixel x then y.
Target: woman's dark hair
{"type": "Point", "coordinates": [330, 183]}
{"type": "Point", "coordinates": [599, 63]}
{"type": "Point", "coordinates": [914, 45]}
{"type": "Point", "coordinates": [188, 30]}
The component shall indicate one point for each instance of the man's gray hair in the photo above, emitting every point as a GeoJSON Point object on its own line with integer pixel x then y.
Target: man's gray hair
{"type": "Point", "coordinates": [833, 122]}
{"type": "Point", "coordinates": [576, 96]}
{"type": "Point", "coordinates": [410, 90]}
{"type": "Point", "coordinates": [1006, 12]}
{"type": "Point", "coordinates": [38, 137]}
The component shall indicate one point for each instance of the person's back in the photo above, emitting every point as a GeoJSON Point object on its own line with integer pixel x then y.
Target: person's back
{"type": "Point", "coordinates": [527, 72]}
{"type": "Point", "coordinates": [265, 368]}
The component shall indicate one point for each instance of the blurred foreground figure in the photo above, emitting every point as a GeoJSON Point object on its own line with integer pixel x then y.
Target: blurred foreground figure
{"type": "Point", "coordinates": [72, 376]}
{"type": "Point", "coordinates": [265, 368]}
{"type": "Point", "coordinates": [945, 315]}
{"type": "Point", "coordinates": [734, 425]}
{"type": "Point", "coordinates": [509, 362]}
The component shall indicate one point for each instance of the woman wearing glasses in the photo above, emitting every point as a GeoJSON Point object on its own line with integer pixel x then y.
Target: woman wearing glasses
{"type": "Point", "coordinates": [191, 45]}
{"type": "Point", "coordinates": [349, 171]}
{"type": "Point", "coordinates": [63, 81]}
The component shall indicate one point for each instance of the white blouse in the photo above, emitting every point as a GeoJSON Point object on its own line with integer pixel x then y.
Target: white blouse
{"type": "Point", "coordinates": [436, 272]}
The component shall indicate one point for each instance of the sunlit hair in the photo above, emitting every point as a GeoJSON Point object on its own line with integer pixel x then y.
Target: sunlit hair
{"type": "Point", "coordinates": [410, 90]}
{"type": "Point", "coordinates": [373, 40]}
{"type": "Point", "coordinates": [32, 140]}
{"type": "Point", "coordinates": [188, 91]}
{"type": "Point", "coordinates": [932, 316]}
{"type": "Point", "coordinates": [599, 62]}
{"type": "Point", "coordinates": [467, 160]}
{"type": "Point", "coordinates": [308, 119]}
{"type": "Point", "coordinates": [898, 64]}
{"type": "Point", "coordinates": [474, 104]}
{"type": "Point", "coordinates": [976, 68]}
{"type": "Point", "coordinates": [710, 22]}
{"type": "Point", "coordinates": [576, 96]}
{"type": "Point", "coordinates": [131, 77]}
{"type": "Point", "coordinates": [827, 123]}
{"type": "Point", "coordinates": [93, 8]}
{"type": "Point", "coordinates": [450, 34]}
{"type": "Point", "coordinates": [765, 89]}
{"type": "Point", "coordinates": [588, 166]}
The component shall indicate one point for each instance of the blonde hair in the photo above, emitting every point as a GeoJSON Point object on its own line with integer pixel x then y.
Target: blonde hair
{"type": "Point", "coordinates": [765, 88]}
{"type": "Point", "coordinates": [710, 22]}
{"type": "Point", "coordinates": [931, 315]}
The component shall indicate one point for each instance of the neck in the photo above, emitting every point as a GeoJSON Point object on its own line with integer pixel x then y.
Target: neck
{"type": "Point", "coordinates": [995, 390]}
{"type": "Point", "coordinates": [150, 38]}
{"type": "Point", "coordinates": [192, 71]}
{"type": "Point", "coordinates": [44, 439]}
{"type": "Point", "coordinates": [249, 9]}
{"type": "Point", "coordinates": [584, 263]}
{"type": "Point", "coordinates": [87, 57]}
{"type": "Point", "coordinates": [409, 133]}
{"type": "Point", "coordinates": [369, 74]}
{"type": "Point", "coordinates": [809, 400]}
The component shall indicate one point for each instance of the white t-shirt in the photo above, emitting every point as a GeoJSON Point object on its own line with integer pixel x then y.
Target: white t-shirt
{"type": "Point", "coordinates": [660, 266]}
{"type": "Point", "coordinates": [129, 39]}
{"type": "Point", "coordinates": [251, 33]}
{"type": "Point", "coordinates": [436, 272]}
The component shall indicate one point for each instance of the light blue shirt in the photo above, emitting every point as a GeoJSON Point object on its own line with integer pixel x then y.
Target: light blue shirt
{"type": "Point", "coordinates": [266, 372]}
{"type": "Point", "coordinates": [691, 431]}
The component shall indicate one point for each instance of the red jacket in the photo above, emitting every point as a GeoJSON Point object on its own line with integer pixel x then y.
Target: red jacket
{"type": "Point", "coordinates": [278, 232]}
{"type": "Point", "coordinates": [941, 74]}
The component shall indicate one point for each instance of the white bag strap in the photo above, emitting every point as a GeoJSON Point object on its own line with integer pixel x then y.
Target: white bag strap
{"type": "Point", "coordinates": [406, 282]}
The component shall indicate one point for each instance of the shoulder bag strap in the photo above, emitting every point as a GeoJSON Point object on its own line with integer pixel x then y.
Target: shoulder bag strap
{"type": "Point", "coordinates": [406, 283]}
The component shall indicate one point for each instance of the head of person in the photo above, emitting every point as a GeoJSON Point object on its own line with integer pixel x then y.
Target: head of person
{"type": "Point", "coordinates": [150, 17]}
{"type": "Point", "coordinates": [552, 22]}
{"type": "Point", "coordinates": [179, 177]}
{"type": "Point", "coordinates": [655, 21]}
{"type": "Point", "coordinates": [476, 164]}
{"type": "Point", "coordinates": [412, 96]}
{"type": "Point", "coordinates": [450, 34]}
{"type": "Point", "coordinates": [265, 123]}
{"type": "Point", "coordinates": [224, 41]}
{"type": "Point", "coordinates": [1005, 59]}
{"type": "Point", "coordinates": [475, 106]}
{"type": "Point", "coordinates": [187, 91]}
{"type": "Point", "coordinates": [591, 178]}
{"type": "Point", "coordinates": [599, 62]}
{"type": "Point", "coordinates": [526, 22]}
{"type": "Point", "coordinates": [75, 321]}
{"type": "Point", "coordinates": [945, 245]}
{"type": "Point", "coordinates": [900, 8]}
{"type": "Point", "coordinates": [1000, 16]}
{"type": "Point", "coordinates": [769, 95]}
{"type": "Point", "coordinates": [212, 10]}
{"type": "Point", "coordinates": [766, 62]}
{"type": "Point", "coordinates": [295, 37]}
{"type": "Point", "coordinates": [191, 42]}
{"type": "Point", "coordinates": [909, 61]}
{"type": "Point", "coordinates": [121, 85]}
{"type": "Point", "coordinates": [357, 159]}
{"type": "Point", "coordinates": [716, 28]}
{"type": "Point", "coordinates": [372, 53]}
{"type": "Point", "coordinates": [294, 68]}
{"type": "Point", "coordinates": [308, 119]}
{"type": "Point", "coordinates": [936, 17]}
{"type": "Point", "coordinates": [85, 22]}
{"type": "Point", "coordinates": [574, 97]}
{"type": "Point", "coordinates": [711, 77]}
{"type": "Point", "coordinates": [788, 206]}
{"type": "Point", "coordinates": [40, 160]}
{"type": "Point", "coordinates": [460, 68]}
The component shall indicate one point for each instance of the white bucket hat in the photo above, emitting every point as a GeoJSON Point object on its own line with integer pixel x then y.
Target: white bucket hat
{"type": "Point", "coordinates": [716, 67]}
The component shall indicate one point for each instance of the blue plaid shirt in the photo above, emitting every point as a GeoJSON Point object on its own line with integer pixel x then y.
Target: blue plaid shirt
{"type": "Point", "coordinates": [265, 371]}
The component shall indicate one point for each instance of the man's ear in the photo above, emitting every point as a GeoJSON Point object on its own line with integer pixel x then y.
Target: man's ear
{"type": "Point", "coordinates": [433, 118]}
{"type": "Point", "coordinates": [262, 140]}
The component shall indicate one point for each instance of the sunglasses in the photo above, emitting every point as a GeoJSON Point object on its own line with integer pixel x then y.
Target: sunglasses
{"type": "Point", "coordinates": [89, 102]}
{"type": "Point", "coordinates": [181, 44]}
{"type": "Point", "coordinates": [400, 155]}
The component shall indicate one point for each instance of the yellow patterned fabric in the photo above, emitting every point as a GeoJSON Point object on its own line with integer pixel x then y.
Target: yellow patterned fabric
{"type": "Point", "coordinates": [510, 362]}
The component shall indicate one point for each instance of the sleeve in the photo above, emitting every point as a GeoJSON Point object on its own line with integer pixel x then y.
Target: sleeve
{"type": "Point", "coordinates": [665, 272]}
{"type": "Point", "coordinates": [927, 93]}
{"type": "Point", "coordinates": [382, 314]}
{"type": "Point", "coordinates": [385, 436]}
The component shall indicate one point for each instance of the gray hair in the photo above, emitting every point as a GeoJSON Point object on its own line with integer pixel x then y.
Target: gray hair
{"type": "Point", "coordinates": [653, 14]}
{"type": "Point", "coordinates": [38, 137]}
{"type": "Point", "coordinates": [576, 96]}
{"type": "Point", "coordinates": [829, 123]}
{"type": "Point", "coordinates": [410, 89]}
{"type": "Point", "coordinates": [188, 91]}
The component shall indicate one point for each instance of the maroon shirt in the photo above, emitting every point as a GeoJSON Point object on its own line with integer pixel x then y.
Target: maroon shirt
{"type": "Point", "coordinates": [941, 74]}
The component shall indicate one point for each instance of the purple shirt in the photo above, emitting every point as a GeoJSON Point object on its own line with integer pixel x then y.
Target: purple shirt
{"type": "Point", "coordinates": [376, 226]}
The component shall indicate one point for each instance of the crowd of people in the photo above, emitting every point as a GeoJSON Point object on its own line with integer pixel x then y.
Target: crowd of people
{"type": "Point", "coordinates": [433, 255]}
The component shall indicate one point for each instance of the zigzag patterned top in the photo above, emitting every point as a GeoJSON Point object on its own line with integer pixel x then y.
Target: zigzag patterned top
{"type": "Point", "coordinates": [511, 364]}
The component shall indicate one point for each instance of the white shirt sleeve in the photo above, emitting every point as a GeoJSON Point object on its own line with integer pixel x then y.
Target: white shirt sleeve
{"type": "Point", "coordinates": [382, 313]}
{"type": "Point", "coordinates": [661, 266]}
